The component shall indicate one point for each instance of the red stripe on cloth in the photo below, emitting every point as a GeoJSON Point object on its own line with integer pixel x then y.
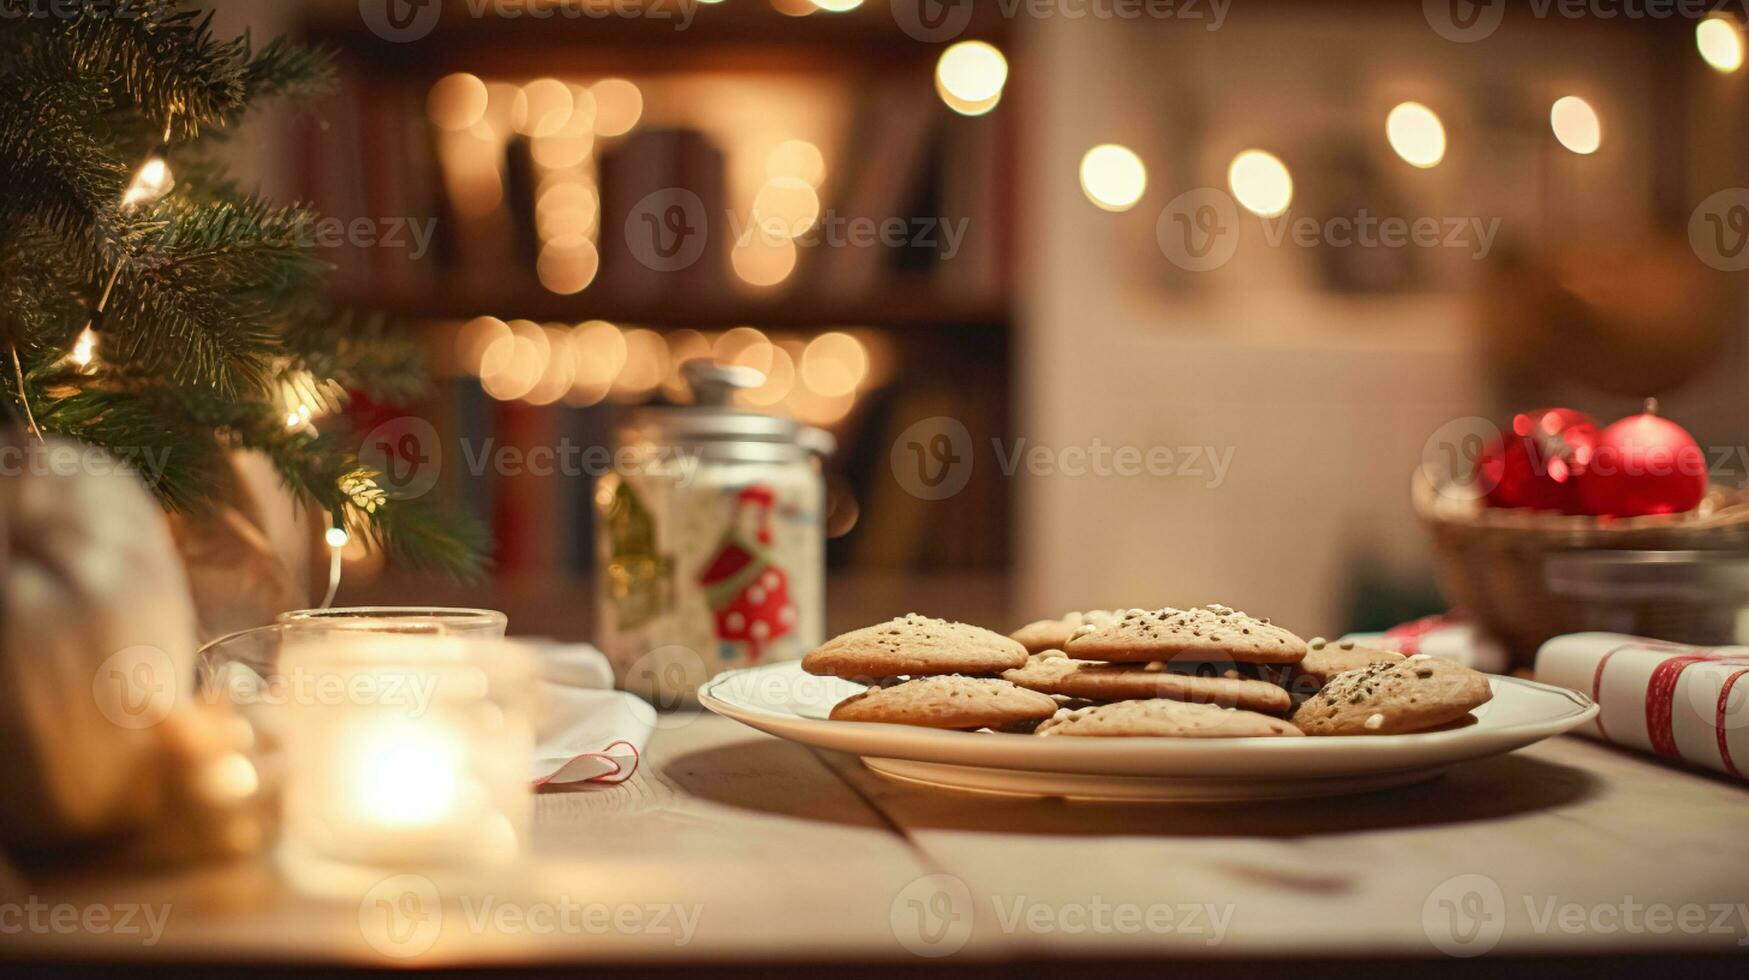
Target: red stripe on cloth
{"type": "Point", "coordinates": [1719, 725]}
{"type": "Point", "coordinates": [1661, 703]}
{"type": "Point", "coordinates": [613, 778]}
{"type": "Point", "coordinates": [1597, 675]}
{"type": "Point", "coordinates": [1409, 635]}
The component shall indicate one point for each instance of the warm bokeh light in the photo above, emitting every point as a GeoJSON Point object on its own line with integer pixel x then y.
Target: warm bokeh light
{"type": "Point", "coordinates": [582, 120]}
{"type": "Point", "coordinates": [797, 158]}
{"type": "Point", "coordinates": [969, 77]}
{"type": "Point", "coordinates": [762, 261]}
{"type": "Point", "coordinates": [456, 102]}
{"type": "Point", "coordinates": [514, 364]}
{"type": "Point", "coordinates": [785, 207]}
{"type": "Point", "coordinates": [560, 152]}
{"type": "Point", "coordinates": [834, 364]}
{"type": "Point", "coordinates": [556, 378]}
{"type": "Point", "coordinates": [1720, 41]}
{"type": "Point", "coordinates": [475, 337]}
{"type": "Point", "coordinates": [836, 6]}
{"type": "Point", "coordinates": [683, 345]}
{"type": "Point", "coordinates": [1416, 133]}
{"type": "Point", "coordinates": [809, 406]}
{"type": "Point", "coordinates": [618, 106]}
{"type": "Point", "coordinates": [506, 107]}
{"type": "Point", "coordinates": [567, 265]}
{"type": "Point", "coordinates": [746, 346]}
{"type": "Point", "coordinates": [566, 207]}
{"type": "Point", "coordinates": [1260, 183]}
{"type": "Point", "coordinates": [1113, 177]}
{"type": "Point", "coordinates": [545, 108]}
{"type": "Point", "coordinates": [794, 8]}
{"type": "Point", "coordinates": [646, 365]}
{"type": "Point", "coordinates": [599, 352]}
{"type": "Point", "coordinates": [881, 362]}
{"type": "Point", "coordinates": [470, 173]}
{"type": "Point", "coordinates": [780, 377]}
{"type": "Point", "coordinates": [1576, 124]}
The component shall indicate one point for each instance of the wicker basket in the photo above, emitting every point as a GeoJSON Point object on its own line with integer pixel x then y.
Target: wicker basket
{"type": "Point", "coordinates": [1489, 561]}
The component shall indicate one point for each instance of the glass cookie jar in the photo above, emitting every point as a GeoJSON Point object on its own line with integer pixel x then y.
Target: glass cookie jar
{"type": "Point", "coordinates": [710, 540]}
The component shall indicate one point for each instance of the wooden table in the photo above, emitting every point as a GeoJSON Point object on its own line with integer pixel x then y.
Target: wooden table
{"type": "Point", "coordinates": [757, 856]}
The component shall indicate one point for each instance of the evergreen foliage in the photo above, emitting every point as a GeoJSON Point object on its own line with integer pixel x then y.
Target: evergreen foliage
{"type": "Point", "coordinates": [207, 301]}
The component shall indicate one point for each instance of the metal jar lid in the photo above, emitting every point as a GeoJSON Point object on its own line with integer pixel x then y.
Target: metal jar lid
{"type": "Point", "coordinates": [712, 423]}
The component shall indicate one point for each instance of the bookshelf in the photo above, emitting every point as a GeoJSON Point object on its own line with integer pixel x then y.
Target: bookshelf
{"type": "Point", "coordinates": [892, 149]}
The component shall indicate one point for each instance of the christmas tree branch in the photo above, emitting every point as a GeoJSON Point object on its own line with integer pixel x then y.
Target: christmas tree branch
{"type": "Point", "coordinates": [173, 322]}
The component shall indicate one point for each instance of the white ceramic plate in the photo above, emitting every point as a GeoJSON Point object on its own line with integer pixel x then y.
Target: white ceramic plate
{"type": "Point", "coordinates": [781, 699]}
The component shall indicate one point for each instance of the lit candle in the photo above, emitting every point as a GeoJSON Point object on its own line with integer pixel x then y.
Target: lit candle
{"type": "Point", "coordinates": [405, 752]}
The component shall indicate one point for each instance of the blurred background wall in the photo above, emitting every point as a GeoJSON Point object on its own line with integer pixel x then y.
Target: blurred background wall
{"type": "Point", "coordinates": [1326, 384]}
{"type": "Point", "coordinates": [1319, 372]}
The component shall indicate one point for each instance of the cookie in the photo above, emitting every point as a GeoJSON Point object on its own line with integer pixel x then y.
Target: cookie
{"type": "Point", "coordinates": [1172, 719]}
{"type": "Point", "coordinates": [1206, 633]}
{"type": "Point", "coordinates": [915, 646]}
{"type": "Point", "coordinates": [1325, 660]}
{"type": "Point", "coordinates": [1051, 634]}
{"type": "Point", "coordinates": [1393, 697]}
{"type": "Point", "coordinates": [947, 701]}
{"type": "Point", "coordinates": [1054, 672]}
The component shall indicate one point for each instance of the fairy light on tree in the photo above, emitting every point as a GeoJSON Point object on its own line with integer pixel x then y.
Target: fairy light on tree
{"type": "Point", "coordinates": [153, 308]}
{"type": "Point", "coordinates": [151, 182]}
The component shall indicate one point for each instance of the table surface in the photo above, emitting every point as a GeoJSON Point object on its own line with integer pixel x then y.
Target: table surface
{"type": "Point", "coordinates": [729, 846]}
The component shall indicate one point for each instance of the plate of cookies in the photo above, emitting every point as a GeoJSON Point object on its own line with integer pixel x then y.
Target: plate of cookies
{"type": "Point", "coordinates": [1203, 703]}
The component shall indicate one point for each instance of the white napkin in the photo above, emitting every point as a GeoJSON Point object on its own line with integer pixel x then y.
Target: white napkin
{"type": "Point", "coordinates": [587, 732]}
{"type": "Point", "coordinates": [1681, 702]}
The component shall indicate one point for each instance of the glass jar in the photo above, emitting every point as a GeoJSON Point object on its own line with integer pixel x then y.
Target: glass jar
{"type": "Point", "coordinates": [710, 540]}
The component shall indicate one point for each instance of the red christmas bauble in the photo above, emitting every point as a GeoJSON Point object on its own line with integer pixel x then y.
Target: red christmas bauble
{"type": "Point", "coordinates": [1538, 462]}
{"type": "Point", "coordinates": [1643, 464]}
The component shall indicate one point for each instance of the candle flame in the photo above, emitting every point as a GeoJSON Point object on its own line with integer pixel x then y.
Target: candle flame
{"type": "Point", "coordinates": [406, 775]}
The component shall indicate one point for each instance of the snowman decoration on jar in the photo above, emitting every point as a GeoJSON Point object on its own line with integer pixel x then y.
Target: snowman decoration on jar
{"type": "Point", "coordinates": [747, 591]}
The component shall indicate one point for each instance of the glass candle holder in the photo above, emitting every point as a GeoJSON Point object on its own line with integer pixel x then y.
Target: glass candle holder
{"type": "Point", "coordinates": [400, 619]}
{"type": "Point", "coordinates": [405, 752]}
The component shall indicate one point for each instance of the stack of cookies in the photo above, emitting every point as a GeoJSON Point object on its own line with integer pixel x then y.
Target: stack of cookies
{"type": "Point", "coordinates": [931, 672]}
{"type": "Point", "coordinates": [1208, 672]}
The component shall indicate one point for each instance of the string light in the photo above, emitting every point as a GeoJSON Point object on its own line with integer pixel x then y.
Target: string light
{"type": "Point", "coordinates": [1113, 177]}
{"type": "Point", "coordinates": [337, 539]}
{"type": "Point", "coordinates": [1260, 182]}
{"type": "Point", "coordinates": [1720, 42]}
{"type": "Point", "coordinates": [150, 183]}
{"type": "Point", "coordinates": [1416, 134]}
{"type": "Point", "coordinates": [84, 352]}
{"type": "Point", "coordinates": [969, 77]}
{"type": "Point", "coordinates": [1575, 125]}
